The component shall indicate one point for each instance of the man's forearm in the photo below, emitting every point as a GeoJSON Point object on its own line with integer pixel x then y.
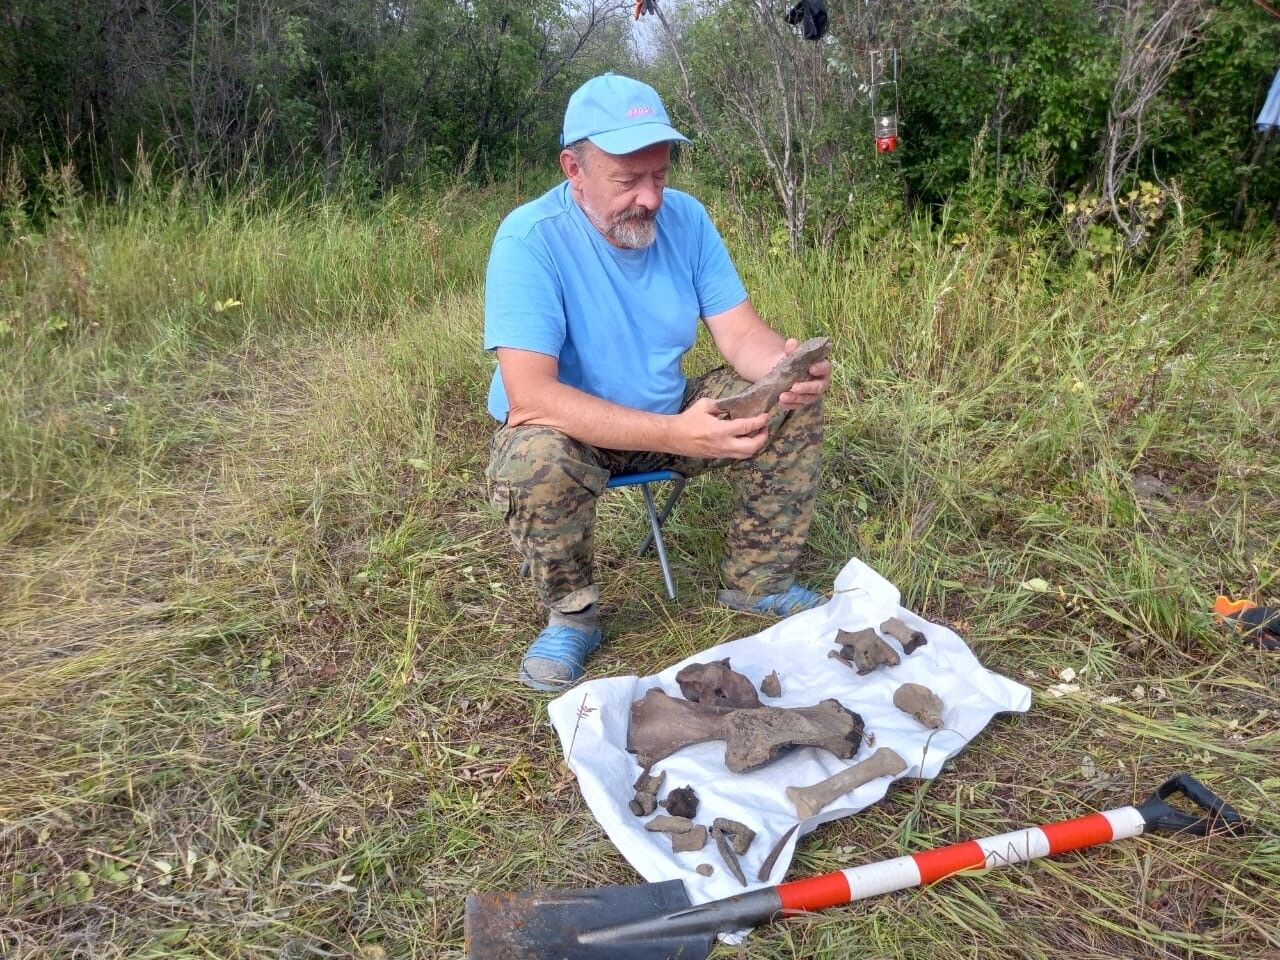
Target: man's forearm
{"type": "Point", "coordinates": [757, 353]}
{"type": "Point", "coordinates": [747, 343]}
{"type": "Point", "coordinates": [592, 420]}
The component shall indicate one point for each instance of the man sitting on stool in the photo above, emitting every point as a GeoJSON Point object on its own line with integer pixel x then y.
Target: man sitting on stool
{"type": "Point", "coordinates": [593, 295]}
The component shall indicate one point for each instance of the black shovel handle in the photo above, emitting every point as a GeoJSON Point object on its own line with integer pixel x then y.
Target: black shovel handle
{"type": "Point", "coordinates": [1219, 816]}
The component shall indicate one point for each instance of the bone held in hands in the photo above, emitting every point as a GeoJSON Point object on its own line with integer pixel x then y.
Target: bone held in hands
{"type": "Point", "coordinates": [764, 393]}
{"type": "Point", "coordinates": [661, 725]}
{"type": "Point", "coordinates": [809, 800]}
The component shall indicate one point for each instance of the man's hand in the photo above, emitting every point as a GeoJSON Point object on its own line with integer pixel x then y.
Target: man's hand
{"type": "Point", "coordinates": [805, 392]}
{"type": "Point", "coordinates": [700, 432]}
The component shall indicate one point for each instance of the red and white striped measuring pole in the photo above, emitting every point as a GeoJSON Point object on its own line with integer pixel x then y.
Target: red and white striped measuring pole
{"type": "Point", "coordinates": [856, 883]}
{"type": "Point", "coordinates": [917, 869]}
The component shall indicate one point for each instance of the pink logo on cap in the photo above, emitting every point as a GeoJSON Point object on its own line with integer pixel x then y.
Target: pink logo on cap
{"type": "Point", "coordinates": [639, 111]}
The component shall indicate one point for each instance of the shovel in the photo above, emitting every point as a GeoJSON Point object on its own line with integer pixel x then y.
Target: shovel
{"type": "Point", "coordinates": [656, 921]}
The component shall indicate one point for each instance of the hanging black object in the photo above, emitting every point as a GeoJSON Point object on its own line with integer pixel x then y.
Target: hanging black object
{"type": "Point", "coordinates": [812, 14]}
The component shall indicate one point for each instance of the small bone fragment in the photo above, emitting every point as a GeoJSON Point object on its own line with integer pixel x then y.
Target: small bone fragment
{"type": "Point", "coordinates": [690, 840]}
{"type": "Point", "coordinates": [911, 640]}
{"type": "Point", "coordinates": [733, 839]}
{"type": "Point", "coordinates": [661, 725]}
{"type": "Point", "coordinates": [716, 683]}
{"type": "Point", "coordinates": [681, 802]}
{"type": "Point", "coordinates": [665, 824]}
{"type": "Point", "coordinates": [764, 393]}
{"type": "Point", "coordinates": [865, 650]}
{"type": "Point", "coordinates": [685, 834]}
{"type": "Point", "coordinates": [728, 855]}
{"type": "Point", "coordinates": [810, 800]}
{"type": "Point", "coordinates": [771, 686]}
{"type": "Point", "coordinates": [705, 869]}
{"type": "Point", "coordinates": [921, 702]}
{"type": "Point", "coordinates": [766, 868]}
{"type": "Point", "coordinates": [646, 799]}
{"type": "Point", "coordinates": [739, 834]}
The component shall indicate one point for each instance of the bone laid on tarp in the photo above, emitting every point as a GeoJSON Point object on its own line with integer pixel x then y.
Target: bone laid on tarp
{"type": "Point", "coordinates": [593, 721]}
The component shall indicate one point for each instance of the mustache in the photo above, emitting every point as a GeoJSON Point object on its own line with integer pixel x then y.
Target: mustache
{"type": "Point", "coordinates": [635, 213]}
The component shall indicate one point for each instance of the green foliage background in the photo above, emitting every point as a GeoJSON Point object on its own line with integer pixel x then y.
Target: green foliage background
{"type": "Point", "coordinates": [1003, 103]}
{"type": "Point", "coordinates": [398, 89]}
{"type": "Point", "coordinates": [1036, 76]}
{"type": "Point", "coordinates": [1037, 79]}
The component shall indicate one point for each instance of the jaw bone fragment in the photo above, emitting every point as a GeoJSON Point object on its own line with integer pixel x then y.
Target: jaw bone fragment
{"type": "Point", "coordinates": [717, 683]}
{"type": "Point", "coordinates": [809, 800]}
{"type": "Point", "coordinates": [921, 702]}
{"type": "Point", "coordinates": [681, 802]}
{"type": "Point", "coordinates": [646, 799]}
{"type": "Point", "coordinates": [865, 650]}
{"type": "Point", "coordinates": [763, 394]}
{"type": "Point", "coordinates": [685, 834]}
{"type": "Point", "coordinates": [911, 640]}
{"type": "Point", "coordinates": [661, 725]}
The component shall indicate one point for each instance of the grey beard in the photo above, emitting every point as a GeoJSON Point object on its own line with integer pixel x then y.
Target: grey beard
{"type": "Point", "coordinates": [634, 233]}
{"type": "Point", "coordinates": [631, 232]}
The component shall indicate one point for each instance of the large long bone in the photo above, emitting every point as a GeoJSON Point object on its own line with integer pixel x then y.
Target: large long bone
{"type": "Point", "coordinates": [809, 800]}
{"type": "Point", "coordinates": [662, 724]}
{"type": "Point", "coordinates": [787, 372]}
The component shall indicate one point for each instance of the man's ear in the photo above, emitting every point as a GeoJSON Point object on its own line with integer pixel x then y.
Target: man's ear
{"type": "Point", "coordinates": [569, 164]}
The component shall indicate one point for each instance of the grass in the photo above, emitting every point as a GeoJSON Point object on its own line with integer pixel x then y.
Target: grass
{"type": "Point", "coordinates": [261, 627]}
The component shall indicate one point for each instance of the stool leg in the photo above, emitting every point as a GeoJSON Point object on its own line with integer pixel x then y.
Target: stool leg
{"type": "Point", "coordinates": [662, 515]}
{"type": "Point", "coordinates": [656, 533]}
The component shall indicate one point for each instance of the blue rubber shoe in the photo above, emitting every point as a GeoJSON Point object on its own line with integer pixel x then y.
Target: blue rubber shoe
{"type": "Point", "coordinates": [557, 658]}
{"type": "Point", "coordinates": [792, 600]}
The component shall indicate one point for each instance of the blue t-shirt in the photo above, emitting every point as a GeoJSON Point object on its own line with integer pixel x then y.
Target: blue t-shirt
{"type": "Point", "coordinates": [617, 320]}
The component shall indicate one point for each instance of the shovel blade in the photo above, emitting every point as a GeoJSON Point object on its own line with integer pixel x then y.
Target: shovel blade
{"type": "Point", "coordinates": [607, 923]}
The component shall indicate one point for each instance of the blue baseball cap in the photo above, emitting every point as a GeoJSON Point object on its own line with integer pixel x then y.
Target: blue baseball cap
{"type": "Point", "coordinates": [619, 115]}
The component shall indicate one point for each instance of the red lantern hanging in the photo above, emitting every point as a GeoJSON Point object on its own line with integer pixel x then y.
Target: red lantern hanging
{"type": "Point", "coordinates": [883, 87]}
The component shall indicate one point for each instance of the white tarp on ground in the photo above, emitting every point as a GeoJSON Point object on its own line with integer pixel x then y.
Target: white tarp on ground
{"type": "Point", "coordinates": [592, 718]}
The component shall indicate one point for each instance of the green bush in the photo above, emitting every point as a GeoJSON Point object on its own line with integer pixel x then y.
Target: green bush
{"type": "Point", "coordinates": [1006, 104]}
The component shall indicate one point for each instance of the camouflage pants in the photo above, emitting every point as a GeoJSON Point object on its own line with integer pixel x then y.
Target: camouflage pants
{"type": "Point", "coordinates": [546, 484]}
